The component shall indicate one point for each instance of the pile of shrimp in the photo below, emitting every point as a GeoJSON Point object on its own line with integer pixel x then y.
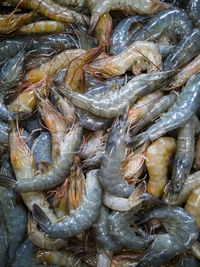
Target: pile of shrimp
{"type": "Point", "coordinates": [100, 133]}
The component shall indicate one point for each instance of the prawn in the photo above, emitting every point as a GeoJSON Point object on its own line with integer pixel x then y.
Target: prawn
{"type": "Point", "coordinates": [184, 107]}
{"type": "Point", "coordinates": [84, 216]}
{"type": "Point", "coordinates": [157, 159]}
{"type": "Point", "coordinates": [115, 103]}
{"type": "Point", "coordinates": [139, 56]}
{"type": "Point", "coordinates": [56, 174]}
{"type": "Point", "coordinates": [182, 234]}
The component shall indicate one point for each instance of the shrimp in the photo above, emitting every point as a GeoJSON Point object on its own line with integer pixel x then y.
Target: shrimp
{"type": "Point", "coordinates": [192, 205]}
{"type": "Point", "coordinates": [172, 20]}
{"type": "Point", "coordinates": [139, 56]}
{"type": "Point", "coordinates": [182, 234]}
{"type": "Point", "coordinates": [194, 11]}
{"type": "Point", "coordinates": [104, 258]}
{"type": "Point", "coordinates": [102, 237]}
{"type": "Point", "coordinates": [156, 109]}
{"type": "Point", "coordinates": [103, 29]}
{"type": "Point", "coordinates": [196, 164]}
{"type": "Point", "coordinates": [50, 68]}
{"type": "Point", "coordinates": [24, 166]}
{"type": "Point", "coordinates": [122, 233]}
{"type": "Point", "coordinates": [186, 73]}
{"type": "Point", "coordinates": [124, 204]}
{"type": "Point", "coordinates": [53, 11]}
{"type": "Point", "coordinates": [44, 26]}
{"type": "Point", "coordinates": [56, 124]}
{"type": "Point", "coordinates": [83, 217]}
{"type": "Point", "coordinates": [60, 258]}
{"type": "Point", "coordinates": [188, 47]}
{"type": "Point", "coordinates": [119, 39]}
{"type": "Point", "coordinates": [40, 239]}
{"type": "Point", "coordinates": [4, 133]}
{"type": "Point", "coordinates": [184, 156]}
{"type": "Point", "coordinates": [142, 106]}
{"type": "Point", "coordinates": [128, 6]}
{"type": "Point", "coordinates": [115, 103]}
{"type": "Point", "coordinates": [112, 161]}
{"type": "Point", "coordinates": [10, 23]}
{"type": "Point", "coordinates": [13, 212]}
{"type": "Point", "coordinates": [56, 174]}
{"type": "Point", "coordinates": [184, 107]}
{"type": "Point", "coordinates": [191, 182]}
{"type": "Point", "coordinates": [157, 159]}
{"type": "Point", "coordinates": [74, 73]}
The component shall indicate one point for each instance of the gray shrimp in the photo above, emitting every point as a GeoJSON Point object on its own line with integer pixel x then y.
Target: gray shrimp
{"type": "Point", "coordinates": [124, 235]}
{"type": "Point", "coordinates": [188, 47]}
{"type": "Point", "coordinates": [42, 151]}
{"type": "Point", "coordinates": [168, 21]}
{"type": "Point", "coordinates": [115, 103]}
{"type": "Point", "coordinates": [182, 234]}
{"type": "Point", "coordinates": [56, 174]}
{"type": "Point", "coordinates": [191, 182]}
{"type": "Point", "coordinates": [120, 37]}
{"type": "Point", "coordinates": [159, 107]}
{"type": "Point", "coordinates": [102, 237]}
{"type": "Point", "coordinates": [14, 213]}
{"type": "Point", "coordinates": [112, 161]}
{"type": "Point", "coordinates": [84, 216]}
{"type": "Point", "coordinates": [184, 156]}
{"type": "Point", "coordinates": [4, 133]}
{"type": "Point", "coordinates": [194, 11]}
{"type": "Point", "coordinates": [184, 107]}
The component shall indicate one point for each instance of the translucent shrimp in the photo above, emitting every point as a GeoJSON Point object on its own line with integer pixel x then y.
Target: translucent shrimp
{"type": "Point", "coordinates": [173, 21]}
{"type": "Point", "coordinates": [192, 182]}
{"type": "Point", "coordinates": [186, 73]}
{"type": "Point", "coordinates": [182, 234]}
{"type": "Point", "coordinates": [50, 68]}
{"type": "Point", "coordinates": [139, 56]}
{"type": "Point", "coordinates": [83, 217]}
{"type": "Point", "coordinates": [184, 156]}
{"type": "Point", "coordinates": [45, 26]}
{"type": "Point", "coordinates": [129, 6]}
{"type": "Point", "coordinates": [142, 106]}
{"type": "Point", "coordinates": [53, 11]}
{"type": "Point", "coordinates": [192, 205]}
{"type": "Point", "coordinates": [122, 233]}
{"type": "Point", "coordinates": [115, 103]}
{"type": "Point", "coordinates": [156, 109]}
{"type": "Point", "coordinates": [56, 174]}
{"type": "Point", "coordinates": [157, 159]}
{"type": "Point", "coordinates": [184, 107]}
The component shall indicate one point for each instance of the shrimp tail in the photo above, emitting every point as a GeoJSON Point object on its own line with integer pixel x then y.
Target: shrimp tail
{"type": "Point", "coordinates": [7, 182]}
{"type": "Point", "coordinates": [41, 217]}
{"type": "Point", "coordinates": [136, 141]}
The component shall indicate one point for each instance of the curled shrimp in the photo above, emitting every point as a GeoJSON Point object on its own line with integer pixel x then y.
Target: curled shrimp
{"type": "Point", "coordinates": [53, 11]}
{"type": "Point", "coordinates": [139, 56]}
{"type": "Point", "coordinates": [157, 159]}
{"type": "Point", "coordinates": [182, 234]}
{"type": "Point", "coordinates": [56, 174]}
{"type": "Point", "coordinates": [83, 217]}
{"type": "Point", "coordinates": [129, 6]}
{"type": "Point", "coordinates": [115, 103]}
{"type": "Point", "coordinates": [184, 107]}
